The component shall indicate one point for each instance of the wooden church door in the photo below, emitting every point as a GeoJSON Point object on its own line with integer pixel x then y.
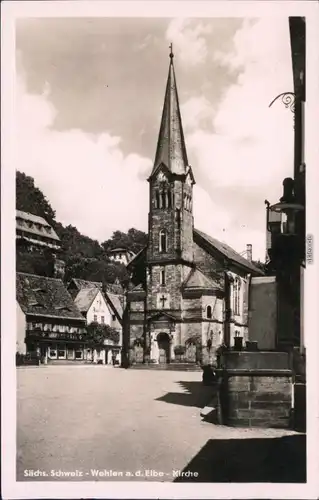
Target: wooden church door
{"type": "Point", "coordinates": [163, 347]}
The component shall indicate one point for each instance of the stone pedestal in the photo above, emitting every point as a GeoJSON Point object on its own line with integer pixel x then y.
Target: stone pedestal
{"type": "Point", "coordinates": [256, 389]}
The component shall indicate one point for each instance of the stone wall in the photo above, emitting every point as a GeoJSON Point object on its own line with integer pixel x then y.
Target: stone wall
{"type": "Point", "coordinates": [256, 389]}
{"type": "Point", "coordinates": [257, 399]}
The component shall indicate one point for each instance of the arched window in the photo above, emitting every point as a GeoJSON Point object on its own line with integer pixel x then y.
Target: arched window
{"type": "Point", "coordinates": [209, 312]}
{"type": "Point", "coordinates": [168, 199]}
{"type": "Point", "coordinates": [162, 241]}
{"type": "Point", "coordinates": [163, 195]}
{"type": "Point", "coordinates": [236, 297]}
{"type": "Point", "coordinates": [185, 201]}
{"type": "Point", "coordinates": [157, 199]}
{"type": "Point", "coordinates": [172, 198]}
{"type": "Point", "coordinates": [178, 217]}
{"type": "Point", "coordinates": [162, 276]}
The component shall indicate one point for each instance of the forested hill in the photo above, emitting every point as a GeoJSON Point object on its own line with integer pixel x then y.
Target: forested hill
{"type": "Point", "coordinates": [84, 257]}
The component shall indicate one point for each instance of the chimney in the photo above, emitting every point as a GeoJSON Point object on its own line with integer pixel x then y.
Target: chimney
{"type": "Point", "coordinates": [249, 251]}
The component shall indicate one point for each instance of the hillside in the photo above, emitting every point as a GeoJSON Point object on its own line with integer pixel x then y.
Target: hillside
{"type": "Point", "coordinates": [84, 257]}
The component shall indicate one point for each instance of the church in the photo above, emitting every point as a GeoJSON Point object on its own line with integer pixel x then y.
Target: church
{"type": "Point", "coordinates": [189, 292]}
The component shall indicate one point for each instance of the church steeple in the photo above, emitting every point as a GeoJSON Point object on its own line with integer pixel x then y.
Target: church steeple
{"type": "Point", "coordinates": [171, 183]}
{"type": "Point", "coordinates": [171, 149]}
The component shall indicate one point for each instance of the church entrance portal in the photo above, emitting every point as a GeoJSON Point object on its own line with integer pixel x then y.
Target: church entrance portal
{"type": "Point", "coordinates": [163, 347]}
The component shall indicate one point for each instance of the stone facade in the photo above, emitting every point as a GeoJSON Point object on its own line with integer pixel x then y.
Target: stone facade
{"type": "Point", "coordinates": [256, 389]}
{"type": "Point", "coordinates": [177, 311]}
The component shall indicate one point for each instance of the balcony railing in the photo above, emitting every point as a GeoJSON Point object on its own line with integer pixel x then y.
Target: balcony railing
{"type": "Point", "coordinates": [49, 334]}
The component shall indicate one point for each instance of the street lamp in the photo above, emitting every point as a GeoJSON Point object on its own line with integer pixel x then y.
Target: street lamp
{"type": "Point", "coordinates": [287, 207]}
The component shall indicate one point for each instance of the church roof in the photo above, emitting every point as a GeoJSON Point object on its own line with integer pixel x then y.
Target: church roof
{"type": "Point", "coordinates": [225, 250]}
{"type": "Point", "coordinates": [196, 279]}
{"type": "Point", "coordinates": [210, 244]}
{"type": "Point", "coordinates": [171, 149]}
{"type": "Point", "coordinates": [47, 297]}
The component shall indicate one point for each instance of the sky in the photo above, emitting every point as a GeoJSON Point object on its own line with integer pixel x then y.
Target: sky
{"type": "Point", "coordinates": [89, 96]}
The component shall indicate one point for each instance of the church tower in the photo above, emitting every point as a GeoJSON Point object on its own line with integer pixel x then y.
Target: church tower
{"type": "Point", "coordinates": [170, 244]}
{"type": "Point", "coordinates": [176, 308]}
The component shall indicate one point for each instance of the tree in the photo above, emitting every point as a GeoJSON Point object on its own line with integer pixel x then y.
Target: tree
{"type": "Point", "coordinates": [30, 199]}
{"type": "Point", "coordinates": [84, 257]}
{"type": "Point", "coordinates": [98, 333]}
{"type": "Point", "coordinates": [134, 240]}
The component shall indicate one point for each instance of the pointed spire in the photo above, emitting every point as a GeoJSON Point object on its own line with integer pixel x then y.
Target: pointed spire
{"type": "Point", "coordinates": [171, 148]}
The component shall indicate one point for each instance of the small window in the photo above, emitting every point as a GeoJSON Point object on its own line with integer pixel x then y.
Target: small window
{"type": "Point", "coordinates": [162, 277]}
{"type": "Point", "coordinates": [61, 353]}
{"type": "Point", "coordinates": [102, 320]}
{"type": "Point", "coordinates": [209, 312]}
{"type": "Point", "coordinates": [95, 318]}
{"type": "Point", "coordinates": [178, 217]}
{"type": "Point", "coordinates": [162, 241]}
{"type": "Point", "coordinates": [163, 196]}
{"type": "Point", "coordinates": [168, 199]}
{"type": "Point", "coordinates": [113, 317]}
{"type": "Point", "coordinates": [236, 297]}
{"type": "Point", "coordinates": [52, 352]}
{"type": "Point", "coordinates": [78, 354]}
{"type": "Point", "coordinates": [157, 199]}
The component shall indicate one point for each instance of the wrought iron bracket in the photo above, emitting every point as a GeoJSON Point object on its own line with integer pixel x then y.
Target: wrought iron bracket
{"type": "Point", "coordinates": [287, 98]}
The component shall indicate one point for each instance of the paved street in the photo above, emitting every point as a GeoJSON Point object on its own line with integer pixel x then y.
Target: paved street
{"type": "Point", "coordinates": [90, 420]}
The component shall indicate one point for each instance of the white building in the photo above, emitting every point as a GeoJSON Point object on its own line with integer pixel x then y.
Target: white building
{"type": "Point", "coordinates": [121, 255]}
{"type": "Point", "coordinates": [101, 308]}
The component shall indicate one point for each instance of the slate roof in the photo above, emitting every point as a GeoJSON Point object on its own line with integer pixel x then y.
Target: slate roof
{"type": "Point", "coordinates": [196, 279]}
{"type": "Point", "coordinates": [42, 296]}
{"type": "Point", "coordinates": [114, 288]}
{"type": "Point", "coordinates": [85, 297]}
{"type": "Point", "coordinates": [30, 224]}
{"type": "Point", "coordinates": [86, 284]}
{"type": "Point", "coordinates": [171, 148]}
{"type": "Point", "coordinates": [116, 303]}
{"type": "Point", "coordinates": [225, 250]}
{"type": "Point", "coordinates": [88, 291]}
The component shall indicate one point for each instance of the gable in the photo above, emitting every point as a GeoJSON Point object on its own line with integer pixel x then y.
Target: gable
{"type": "Point", "coordinates": [160, 173]}
{"type": "Point", "coordinates": [99, 303]}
